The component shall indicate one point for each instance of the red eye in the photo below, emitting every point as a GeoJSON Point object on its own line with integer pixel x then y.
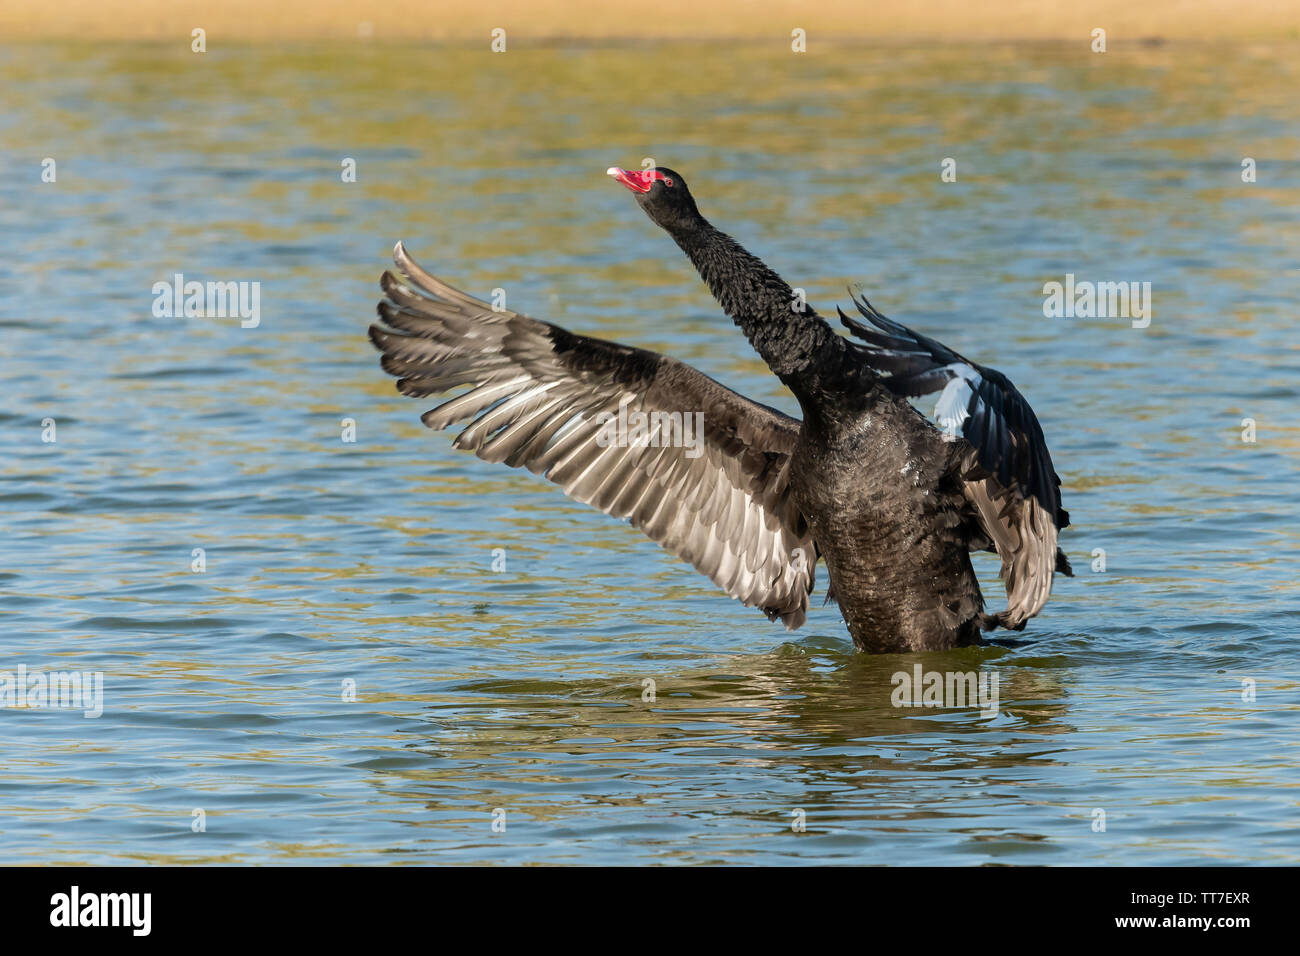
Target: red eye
{"type": "Point", "coordinates": [667, 181]}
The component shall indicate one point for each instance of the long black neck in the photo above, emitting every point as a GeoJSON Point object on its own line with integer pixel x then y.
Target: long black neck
{"type": "Point", "coordinates": [795, 342]}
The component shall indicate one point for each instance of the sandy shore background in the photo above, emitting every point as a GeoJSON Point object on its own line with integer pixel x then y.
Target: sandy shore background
{"type": "Point", "coordinates": [534, 20]}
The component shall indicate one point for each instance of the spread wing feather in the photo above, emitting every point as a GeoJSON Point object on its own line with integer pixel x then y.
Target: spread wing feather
{"type": "Point", "coordinates": [1008, 476]}
{"type": "Point", "coordinates": [542, 398]}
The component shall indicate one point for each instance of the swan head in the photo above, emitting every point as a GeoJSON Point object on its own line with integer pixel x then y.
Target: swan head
{"type": "Point", "coordinates": [662, 193]}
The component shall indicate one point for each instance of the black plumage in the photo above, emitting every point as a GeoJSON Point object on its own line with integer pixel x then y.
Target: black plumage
{"type": "Point", "coordinates": [892, 504]}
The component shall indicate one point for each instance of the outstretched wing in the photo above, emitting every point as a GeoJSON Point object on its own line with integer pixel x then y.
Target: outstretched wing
{"type": "Point", "coordinates": [705, 472]}
{"type": "Point", "coordinates": [1008, 478]}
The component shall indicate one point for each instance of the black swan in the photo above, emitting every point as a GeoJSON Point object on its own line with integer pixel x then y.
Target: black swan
{"type": "Point", "coordinates": [892, 504]}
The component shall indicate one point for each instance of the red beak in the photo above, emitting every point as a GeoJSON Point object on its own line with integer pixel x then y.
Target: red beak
{"type": "Point", "coordinates": [637, 182]}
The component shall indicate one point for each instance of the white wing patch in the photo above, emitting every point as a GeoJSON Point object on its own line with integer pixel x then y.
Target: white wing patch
{"type": "Point", "coordinates": [953, 406]}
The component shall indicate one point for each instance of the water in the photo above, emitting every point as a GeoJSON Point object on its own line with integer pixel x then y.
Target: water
{"type": "Point", "coordinates": [372, 561]}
